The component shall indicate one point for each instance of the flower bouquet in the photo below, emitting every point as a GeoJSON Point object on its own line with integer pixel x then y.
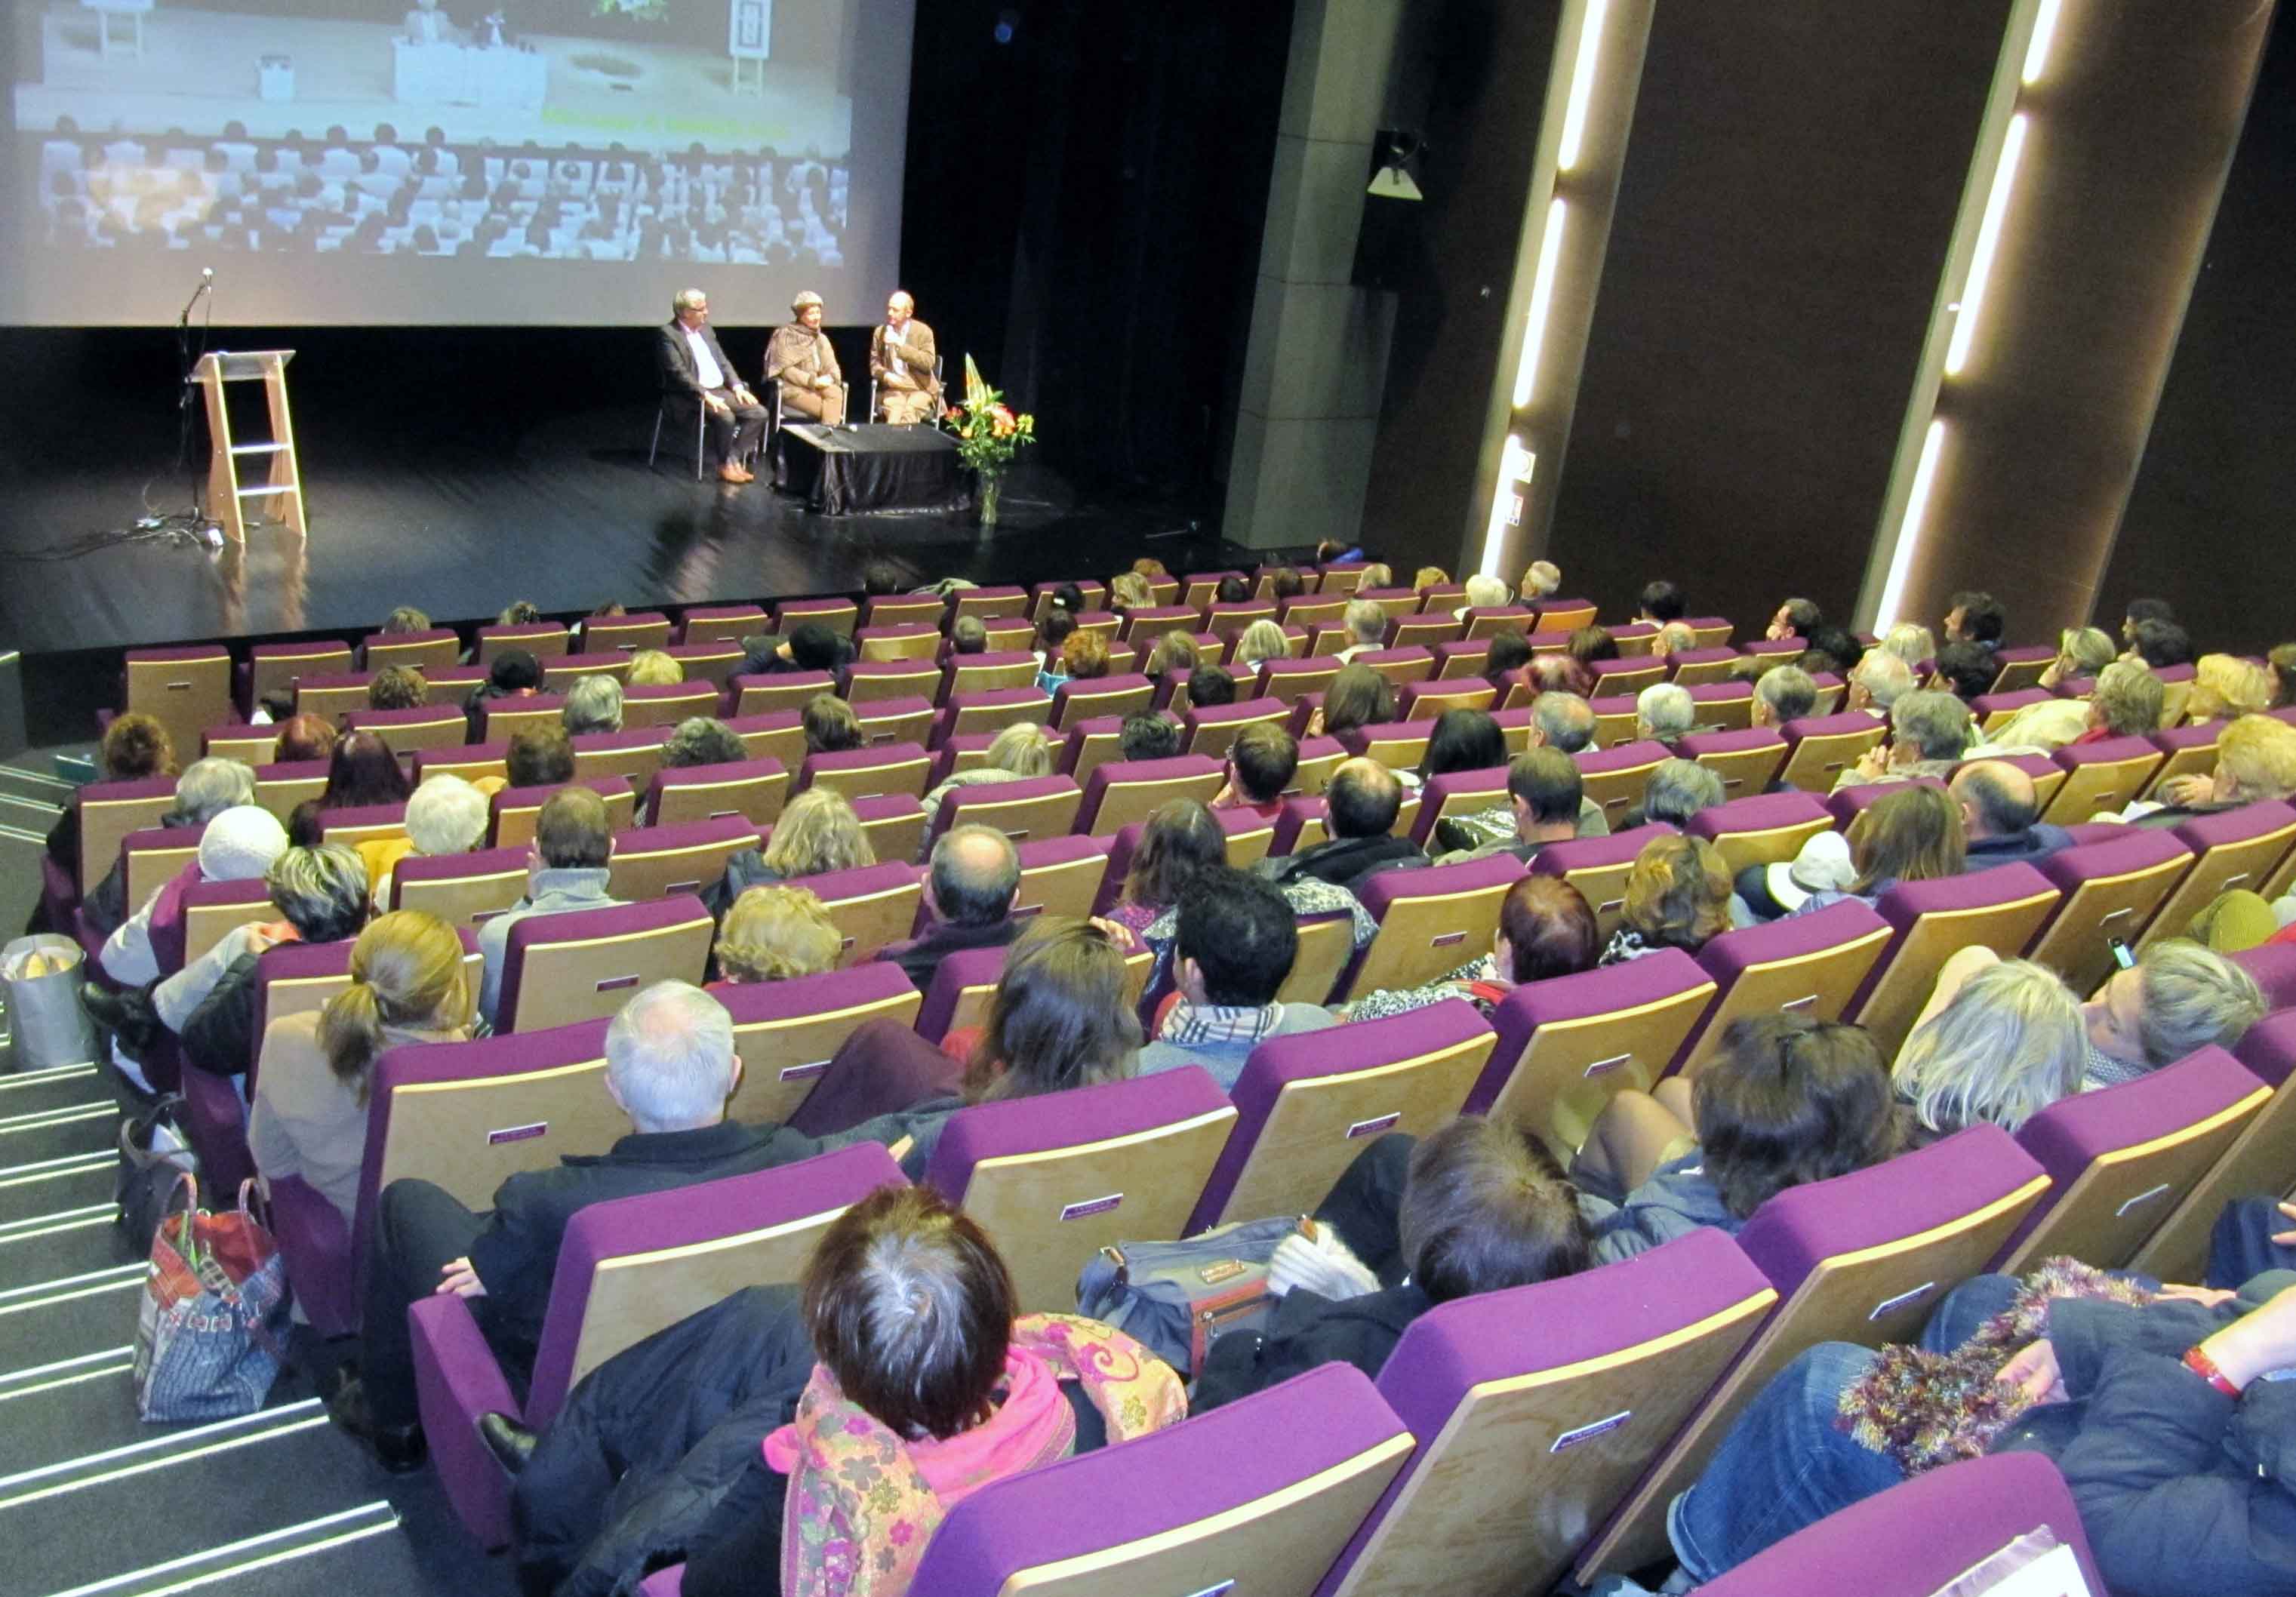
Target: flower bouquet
{"type": "Point", "coordinates": [989, 435]}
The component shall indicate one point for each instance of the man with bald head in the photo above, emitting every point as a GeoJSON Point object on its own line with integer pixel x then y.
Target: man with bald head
{"type": "Point", "coordinates": [976, 876]}
{"type": "Point", "coordinates": [902, 358]}
{"type": "Point", "coordinates": [1362, 801]}
{"type": "Point", "coordinates": [2000, 816]}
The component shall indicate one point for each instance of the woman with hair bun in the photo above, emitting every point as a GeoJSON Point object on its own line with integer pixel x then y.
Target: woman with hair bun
{"type": "Point", "coordinates": [315, 1071]}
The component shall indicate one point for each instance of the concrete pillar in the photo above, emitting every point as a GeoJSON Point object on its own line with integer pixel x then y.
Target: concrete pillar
{"type": "Point", "coordinates": [1318, 356]}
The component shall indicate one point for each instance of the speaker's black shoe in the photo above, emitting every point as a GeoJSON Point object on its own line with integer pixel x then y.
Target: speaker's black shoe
{"type": "Point", "coordinates": [398, 1448]}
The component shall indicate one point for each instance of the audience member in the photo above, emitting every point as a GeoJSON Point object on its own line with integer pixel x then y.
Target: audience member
{"type": "Point", "coordinates": [1475, 1206]}
{"type": "Point", "coordinates": [1677, 896]}
{"type": "Point", "coordinates": [2125, 704]}
{"type": "Point", "coordinates": [1173, 655]}
{"type": "Point", "coordinates": [1545, 930]}
{"type": "Point", "coordinates": [655, 669]}
{"type": "Point", "coordinates": [1020, 752]}
{"type": "Point", "coordinates": [1209, 687]}
{"type": "Point", "coordinates": [1833, 649]}
{"type": "Point", "coordinates": [1998, 1042]}
{"type": "Point", "coordinates": [306, 737]}
{"type": "Point", "coordinates": [2256, 761]}
{"type": "Point", "coordinates": [567, 870]}
{"type": "Point", "coordinates": [1788, 1100]}
{"type": "Point", "coordinates": [1822, 864]}
{"type": "Point", "coordinates": [1083, 657]}
{"type": "Point", "coordinates": [1664, 713]}
{"type": "Point", "coordinates": [1378, 574]}
{"type": "Point", "coordinates": [816, 832]}
{"type": "Point", "coordinates": [1367, 625]}
{"type": "Point", "coordinates": [446, 816]}
{"type": "Point", "coordinates": [1677, 790]}
{"type": "Point", "coordinates": [1795, 619]}
{"type": "Point", "coordinates": [671, 1067]}
{"type": "Point", "coordinates": [403, 620]}
{"type": "Point", "coordinates": [776, 933]}
{"type": "Point", "coordinates": [1676, 637]}
{"type": "Point", "coordinates": [1976, 617]}
{"type": "Point", "coordinates": [1285, 583]}
{"type": "Point", "coordinates": [1180, 841]}
{"type": "Point", "coordinates": [975, 879]}
{"type": "Point", "coordinates": [1508, 653]}
{"type": "Point", "coordinates": [2001, 816]}
{"type": "Point", "coordinates": [1544, 791]}
{"type": "Point", "coordinates": [1361, 806]}
{"type": "Point", "coordinates": [1237, 939]}
{"type": "Point", "coordinates": [1913, 834]}
{"type": "Point", "coordinates": [135, 748]}
{"type": "Point", "coordinates": [1541, 579]}
{"type": "Point", "coordinates": [1911, 642]}
{"type": "Point", "coordinates": [592, 704]}
{"type": "Point", "coordinates": [969, 636]}
{"type": "Point", "coordinates": [1260, 765]}
{"type": "Point", "coordinates": [1260, 642]}
{"type": "Point", "coordinates": [2178, 997]}
{"type": "Point", "coordinates": [539, 757]}
{"type": "Point", "coordinates": [1931, 732]}
{"type": "Point", "coordinates": [2082, 652]}
{"type": "Point", "coordinates": [1556, 672]}
{"type": "Point", "coordinates": [2160, 644]}
{"type": "Point", "coordinates": [1051, 633]}
{"type": "Point", "coordinates": [512, 673]}
{"type": "Point", "coordinates": [1146, 735]}
{"type": "Point", "coordinates": [1591, 643]}
{"type": "Point", "coordinates": [831, 727]}
{"type": "Point", "coordinates": [1661, 602]}
{"type": "Point", "coordinates": [308, 1118]}
{"type": "Point", "coordinates": [397, 687]}
{"type": "Point", "coordinates": [1783, 693]}
{"type": "Point", "coordinates": [2225, 687]}
{"type": "Point", "coordinates": [2281, 664]}
{"type": "Point", "coordinates": [811, 646]}
{"type": "Point", "coordinates": [1430, 577]}
{"type": "Point", "coordinates": [701, 741]}
{"type": "Point", "coordinates": [1232, 589]}
{"type": "Point", "coordinates": [1358, 698]}
{"type": "Point", "coordinates": [321, 897]}
{"type": "Point", "coordinates": [1461, 741]}
{"type": "Point", "coordinates": [519, 612]}
{"type": "Point", "coordinates": [1967, 670]}
{"type": "Point", "coordinates": [1483, 593]}
{"type": "Point", "coordinates": [1129, 590]}
{"type": "Point", "coordinates": [2141, 610]}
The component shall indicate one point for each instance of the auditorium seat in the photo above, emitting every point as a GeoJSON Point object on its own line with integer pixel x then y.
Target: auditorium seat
{"type": "Point", "coordinates": [1211, 733]}
{"type": "Point", "coordinates": [1615, 719]}
{"type": "Point", "coordinates": [894, 824]}
{"type": "Point", "coordinates": [786, 1032]}
{"type": "Point", "coordinates": [518, 810]}
{"type": "Point", "coordinates": [251, 745]}
{"type": "Point", "coordinates": [669, 702]}
{"type": "Point", "coordinates": [1845, 805]}
{"type": "Point", "coordinates": [1615, 778]}
{"type": "Point", "coordinates": [1819, 748]}
{"type": "Point", "coordinates": [1598, 867]}
{"type": "Point", "coordinates": [753, 789]}
{"type": "Point", "coordinates": [2000, 909]}
{"type": "Point", "coordinates": [405, 730]}
{"type": "Point", "coordinates": [2239, 848]}
{"type": "Point", "coordinates": [1123, 791]}
{"type": "Point", "coordinates": [2102, 776]}
{"type": "Point", "coordinates": [869, 772]}
{"type": "Point", "coordinates": [472, 762]}
{"type": "Point", "coordinates": [1810, 965]}
{"type": "Point", "coordinates": [2111, 891]}
{"type": "Point", "coordinates": [1308, 1103]}
{"type": "Point", "coordinates": [562, 673]}
{"type": "Point", "coordinates": [1696, 667]}
{"type": "Point", "coordinates": [1763, 829]}
{"type": "Point", "coordinates": [719, 623]}
{"type": "Point", "coordinates": [1087, 744]}
{"type": "Point", "coordinates": [544, 639]}
{"type": "Point", "coordinates": [1723, 706]}
{"type": "Point", "coordinates": [1031, 809]}
{"type": "Point", "coordinates": [462, 889]}
{"type": "Point", "coordinates": [1626, 676]}
{"type": "Point", "coordinates": [627, 1268]}
{"type": "Point", "coordinates": [1102, 621]}
{"type": "Point", "coordinates": [904, 610]}
{"type": "Point", "coordinates": [183, 688]}
{"type": "Point", "coordinates": [1566, 1045]}
{"type": "Point", "coordinates": [2123, 1158]}
{"type": "Point", "coordinates": [1993, 711]}
{"type": "Point", "coordinates": [626, 634]}
{"type": "Point", "coordinates": [2188, 752]}
{"type": "Point", "coordinates": [353, 825]}
{"type": "Point", "coordinates": [1863, 1258]}
{"type": "Point", "coordinates": [1054, 1179]}
{"type": "Point", "coordinates": [871, 906]}
{"type": "Point", "coordinates": [1429, 921]}
{"type": "Point", "coordinates": [958, 997]}
{"type": "Point", "coordinates": [1398, 745]}
{"type": "Point", "coordinates": [1119, 695]}
{"type": "Point", "coordinates": [1061, 875]}
{"type": "Point", "coordinates": [1339, 577]}
{"type": "Point", "coordinates": [1537, 1408]}
{"type": "Point", "coordinates": [1399, 666]}
{"type": "Point", "coordinates": [585, 963]}
{"type": "Point", "coordinates": [332, 698]}
{"type": "Point", "coordinates": [1747, 761]}
{"type": "Point", "coordinates": [1565, 615]}
{"type": "Point", "coordinates": [1485, 622]}
{"type": "Point", "coordinates": [1309, 611]}
{"type": "Point", "coordinates": [1291, 680]}
{"type": "Point", "coordinates": [907, 720]}
{"type": "Point", "coordinates": [681, 856]}
{"type": "Point", "coordinates": [502, 719]}
{"type": "Point", "coordinates": [778, 691]}
{"type": "Point", "coordinates": [1423, 631]}
{"type": "Point", "coordinates": [773, 735]}
{"type": "Point", "coordinates": [212, 909]}
{"type": "Point", "coordinates": [276, 667]}
{"type": "Point", "coordinates": [840, 616]}
{"type": "Point", "coordinates": [1920, 1538]}
{"type": "Point", "coordinates": [1465, 661]}
{"type": "Point", "coordinates": [1229, 621]}
{"type": "Point", "coordinates": [987, 602]}
{"type": "Point", "coordinates": [908, 642]}
{"type": "Point", "coordinates": [2176, 693]}
{"type": "Point", "coordinates": [632, 756]}
{"type": "Point", "coordinates": [425, 652]}
{"type": "Point", "coordinates": [1327, 945]}
{"type": "Point", "coordinates": [1427, 700]}
{"type": "Point", "coordinates": [2273, 967]}
{"type": "Point", "coordinates": [868, 680]}
{"type": "Point", "coordinates": [2256, 1161]}
{"type": "Point", "coordinates": [985, 712]}
{"type": "Point", "coordinates": [147, 858]}
{"type": "Point", "coordinates": [1453, 795]}
{"type": "Point", "coordinates": [1151, 622]}
{"type": "Point", "coordinates": [987, 673]}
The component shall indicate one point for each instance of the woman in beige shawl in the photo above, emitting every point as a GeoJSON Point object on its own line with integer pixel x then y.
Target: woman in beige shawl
{"type": "Point", "coordinates": [799, 358]}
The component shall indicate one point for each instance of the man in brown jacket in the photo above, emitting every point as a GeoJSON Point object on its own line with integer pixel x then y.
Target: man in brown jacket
{"type": "Point", "coordinates": [902, 360]}
{"type": "Point", "coordinates": [799, 358]}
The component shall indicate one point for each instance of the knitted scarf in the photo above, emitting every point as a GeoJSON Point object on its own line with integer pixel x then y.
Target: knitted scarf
{"type": "Point", "coordinates": [863, 1502]}
{"type": "Point", "coordinates": [1922, 1409]}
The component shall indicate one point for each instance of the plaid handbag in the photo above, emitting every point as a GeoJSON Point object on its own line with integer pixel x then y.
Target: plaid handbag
{"type": "Point", "coordinates": [209, 1337]}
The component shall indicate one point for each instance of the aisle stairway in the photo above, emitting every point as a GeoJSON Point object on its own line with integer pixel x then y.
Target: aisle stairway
{"type": "Point", "coordinates": [93, 1501]}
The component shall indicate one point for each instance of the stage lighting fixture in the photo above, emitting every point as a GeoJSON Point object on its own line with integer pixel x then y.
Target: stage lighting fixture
{"type": "Point", "coordinates": [1542, 294]}
{"type": "Point", "coordinates": [2044, 30]}
{"type": "Point", "coordinates": [1909, 527]}
{"type": "Point", "coordinates": [1582, 85]}
{"type": "Point", "coordinates": [1988, 242]}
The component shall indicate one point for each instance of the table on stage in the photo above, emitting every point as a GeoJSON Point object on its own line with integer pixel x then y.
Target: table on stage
{"type": "Point", "coordinates": [840, 469]}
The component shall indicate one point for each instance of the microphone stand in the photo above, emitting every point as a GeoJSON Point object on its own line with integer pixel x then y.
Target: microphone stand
{"type": "Point", "coordinates": [184, 361]}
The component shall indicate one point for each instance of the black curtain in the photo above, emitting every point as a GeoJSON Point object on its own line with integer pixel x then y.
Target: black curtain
{"type": "Point", "coordinates": [1085, 189]}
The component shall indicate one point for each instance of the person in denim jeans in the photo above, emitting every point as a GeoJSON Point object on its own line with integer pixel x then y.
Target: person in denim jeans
{"type": "Point", "coordinates": [2180, 1487]}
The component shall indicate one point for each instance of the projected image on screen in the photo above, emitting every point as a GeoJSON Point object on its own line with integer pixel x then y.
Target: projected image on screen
{"type": "Point", "coordinates": [352, 160]}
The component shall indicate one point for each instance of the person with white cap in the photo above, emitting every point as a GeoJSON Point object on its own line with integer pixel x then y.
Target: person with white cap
{"type": "Point", "coordinates": [800, 359]}
{"type": "Point", "coordinates": [238, 845]}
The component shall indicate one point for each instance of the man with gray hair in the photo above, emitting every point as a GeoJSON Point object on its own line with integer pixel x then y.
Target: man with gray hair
{"type": "Point", "coordinates": [1783, 693]}
{"type": "Point", "coordinates": [1877, 682]}
{"type": "Point", "coordinates": [566, 869]}
{"type": "Point", "coordinates": [1565, 721]}
{"type": "Point", "coordinates": [697, 376]}
{"type": "Point", "coordinates": [1930, 735]}
{"type": "Point", "coordinates": [1367, 625]}
{"type": "Point", "coordinates": [1663, 712]}
{"type": "Point", "coordinates": [1676, 637]}
{"type": "Point", "coordinates": [975, 879]}
{"type": "Point", "coordinates": [1540, 579]}
{"type": "Point", "coordinates": [207, 788]}
{"type": "Point", "coordinates": [592, 704]}
{"type": "Point", "coordinates": [670, 1068]}
{"type": "Point", "coordinates": [1677, 791]}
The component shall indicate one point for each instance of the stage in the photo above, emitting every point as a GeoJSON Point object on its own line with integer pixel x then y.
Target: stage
{"type": "Point", "coordinates": [510, 480]}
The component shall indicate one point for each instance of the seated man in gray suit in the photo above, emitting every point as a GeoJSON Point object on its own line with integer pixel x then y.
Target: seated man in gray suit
{"type": "Point", "coordinates": [693, 364]}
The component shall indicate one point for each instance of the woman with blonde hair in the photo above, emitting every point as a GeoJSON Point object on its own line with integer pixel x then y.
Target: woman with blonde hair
{"type": "Point", "coordinates": [653, 669]}
{"type": "Point", "coordinates": [1999, 1041]}
{"type": "Point", "coordinates": [316, 1072]}
{"type": "Point", "coordinates": [1129, 590]}
{"type": "Point", "coordinates": [817, 832]}
{"type": "Point", "coordinates": [1021, 751]}
{"type": "Point", "coordinates": [774, 933]}
{"type": "Point", "coordinates": [1430, 577]}
{"type": "Point", "coordinates": [1911, 642]}
{"type": "Point", "coordinates": [1174, 656]}
{"type": "Point", "coordinates": [1677, 897]}
{"type": "Point", "coordinates": [2225, 688]}
{"type": "Point", "coordinates": [2081, 651]}
{"type": "Point", "coordinates": [1379, 574]}
{"type": "Point", "coordinates": [1262, 642]}
{"type": "Point", "coordinates": [1913, 835]}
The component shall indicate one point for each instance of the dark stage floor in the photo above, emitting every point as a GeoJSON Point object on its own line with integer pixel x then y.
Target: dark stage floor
{"type": "Point", "coordinates": [566, 515]}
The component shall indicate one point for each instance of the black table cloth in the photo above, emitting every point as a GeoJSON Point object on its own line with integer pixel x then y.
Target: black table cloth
{"type": "Point", "coordinates": [839, 470]}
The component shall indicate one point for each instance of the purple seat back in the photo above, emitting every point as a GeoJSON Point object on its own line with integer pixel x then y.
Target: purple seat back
{"type": "Point", "coordinates": [1152, 1486]}
{"type": "Point", "coordinates": [1309, 1055]}
{"type": "Point", "coordinates": [885, 756]}
{"type": "Point", "coordinates": [315, 1242]}
{"type": "Point", "coordinates": [956, 805]}
{"type": "Point", "coordinates": [2073, 756]}
{"type": "Point", "coordinates": [1845, 805]}
{"type": "Point", "coordinates": [1623, 756]}
{"type": "Point", "coordinates": [2269, 1049]}
{"type": "Point", "coordinates": [1918, 1538]}
{"type": "Point", "coordinates": [583, 925]}
{"type": "Point", "coordinates": [1476, 791]}
{"type": "Point", "coordinates": [2135, 848]}
{"type": "Point", "coordinates": [702, 776]}
{"type": "Point", "coordinates": [1653, 978]}
{"type": "Point", "coordinates": [970, 968]}
{"type": "Point", "coordinates": [1114, 1108]}
{"type": "Point", "coordinates": [1585, 853]}
{"type": "Point", "coordinates": [1757, 812]}
{"type": "Point", "coordinates": [1109, 773]}
{"type": "Point", "coordinates": [2274, 966]}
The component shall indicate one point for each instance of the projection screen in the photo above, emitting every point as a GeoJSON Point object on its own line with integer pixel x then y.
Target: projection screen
{"type": "Point", "coordinates": [400, 162]}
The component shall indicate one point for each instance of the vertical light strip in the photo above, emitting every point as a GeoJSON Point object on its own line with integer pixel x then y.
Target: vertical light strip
{"type": "Point", "coordinates": [1909, 530]}
{"type": "Point", "coordinates": [2044, 30]}
{"type": "Point", "coordinates": [1542, 294]}
{"type": "Point", "coordinates": [1582, 85]}
{"type": "Point", "coordinates": [1989, 241]}
{"type": "Point", "coordinates": [1516, 464]}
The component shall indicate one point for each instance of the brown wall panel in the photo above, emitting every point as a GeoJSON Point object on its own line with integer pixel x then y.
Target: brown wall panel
{"type": "Point", "coordinates": [1788, 199]}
